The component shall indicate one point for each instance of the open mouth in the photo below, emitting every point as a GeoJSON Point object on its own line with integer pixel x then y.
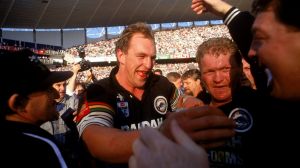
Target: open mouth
{"type": "Point", "coordinates": [143, 74]}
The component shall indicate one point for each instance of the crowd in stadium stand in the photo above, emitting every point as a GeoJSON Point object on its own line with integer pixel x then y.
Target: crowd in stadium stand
{"type": "Point", "coordinates": [171, 44]}
{"type": "Point", "coordinates": [102, 72]}
{"type": "Point", "coordinates": [177, 43]}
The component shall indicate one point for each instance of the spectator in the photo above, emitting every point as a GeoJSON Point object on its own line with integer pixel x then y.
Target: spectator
{"type": "Point", "coordinates": [27, 101]}
{"type": "Point", "coordinates": [79, 89]}
{"type": "Point", "coordinates": [158, 72]}
{"type": "Point", "coordinates": [175, 78]}
{"type": "Point", "coordinates": [193, 86]}
{"type": "Point", "coordinates": [248, 74]}
{"type": "Point", "coordinates": [64, 128]}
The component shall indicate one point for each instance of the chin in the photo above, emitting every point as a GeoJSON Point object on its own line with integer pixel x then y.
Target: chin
{"type": "Point", "coordinates": [140, 85]}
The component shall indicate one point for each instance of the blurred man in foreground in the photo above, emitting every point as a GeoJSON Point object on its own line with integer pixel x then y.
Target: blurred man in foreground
{"type": "Point", "coordinates": [27, 101]}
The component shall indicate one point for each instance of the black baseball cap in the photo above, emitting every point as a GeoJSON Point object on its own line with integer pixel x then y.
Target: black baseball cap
{"type": "Point", "coordinates": [22, 72]}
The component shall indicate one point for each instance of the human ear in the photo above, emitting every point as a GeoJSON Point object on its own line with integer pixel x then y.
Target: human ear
{"type": "Point", "coordinates": [121, 56]}
{"type": "Point", "coordinates": [17, 102]}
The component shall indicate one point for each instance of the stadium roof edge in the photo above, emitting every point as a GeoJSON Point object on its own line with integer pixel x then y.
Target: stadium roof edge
{"type": "Point", "coordinates": [55, 14]}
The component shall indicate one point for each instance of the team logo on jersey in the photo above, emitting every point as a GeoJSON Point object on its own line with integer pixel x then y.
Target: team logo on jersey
{"type": "Point", "coordinates": [243, 119]}
{"type": "Point", "coordinates": [123, 108]}
{"type": "Point", "coordinates": [161, 104]}
{"type": "Point", "coordinates": [122, 105]}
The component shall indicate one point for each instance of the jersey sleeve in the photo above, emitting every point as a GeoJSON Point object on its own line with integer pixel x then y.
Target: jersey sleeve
{"type": "Point", "coordinates": [96, 109]}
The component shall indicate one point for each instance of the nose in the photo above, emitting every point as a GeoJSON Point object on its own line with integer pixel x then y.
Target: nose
{"type": "Point", "coordinates": [184, 85]}
{"type": "Point", "coordinates": [218, 76]}
{"type": "Point", "coordinates": [251, 53]}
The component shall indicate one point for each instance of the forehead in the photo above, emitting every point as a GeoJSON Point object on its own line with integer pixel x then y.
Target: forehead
{"type": "Point", "coordinates": [190, 79]}
{"type": "Point", "coordinates": [215, 60]}
{"type": "Point", "coordinates": [264, 20]}
{"type": "Point", "coordinates": [59, 83]}
{"type": "Point", "coordinates": [139, 40]}
{"type": "Point", "coordinates": [39, 93]}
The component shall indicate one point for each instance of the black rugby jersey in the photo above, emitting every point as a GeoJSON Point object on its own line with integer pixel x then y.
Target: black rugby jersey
{"type": "Point", "coordinates": [243, 110]}
{"type": "Point", "coordinates": [28, 145]}
{"type": "Point", "coordinates": [275, 142]}
{"type": "Point", "coordinates": [109, 104]}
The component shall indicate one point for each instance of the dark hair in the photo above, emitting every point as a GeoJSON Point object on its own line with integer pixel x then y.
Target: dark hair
{"type": "Point", "coordinates": [124, 39]}
{"type": "Point", "coordinates": [192, 73]}
{"type": "Point", "coordinates": [285, 11]}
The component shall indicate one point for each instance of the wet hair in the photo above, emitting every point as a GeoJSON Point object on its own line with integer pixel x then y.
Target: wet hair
{"type": "Point", "coordinates": [140, 27]}
{"type": "Point", "coordinates": [217, 46]}
{"type": "Point", "coordinates": [285, 11]}
{"type": "Point", "coordinates": [222, 45]}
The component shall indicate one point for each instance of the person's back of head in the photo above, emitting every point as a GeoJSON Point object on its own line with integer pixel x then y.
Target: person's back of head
{"type": "Point", "coordinates": [158, 72]}
{"type": "Point", "coordinates": [175, 78]}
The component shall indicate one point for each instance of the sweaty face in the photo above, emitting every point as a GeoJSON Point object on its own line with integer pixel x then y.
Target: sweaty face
{"type": "Point", "coordinates": [41, 106]}
{"type": "Point", "coordinates": [137, 63]}
{"type": "Point", "coordinates": [217, 75]}
{"type": "Point", "coordinates": [278, 48]}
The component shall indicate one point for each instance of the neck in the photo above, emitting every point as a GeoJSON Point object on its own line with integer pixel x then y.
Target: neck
{"type": "Point", "coordinates": [218, 103]}
{"type": "Point", "coordinates": [137, 92]}
{"type": "Point", "coordinates": [197, 92]}
{"type": "Point", "coordinates": [20, 118]}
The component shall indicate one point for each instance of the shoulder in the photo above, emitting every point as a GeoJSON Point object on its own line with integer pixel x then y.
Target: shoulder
{"type": "Point", "coordinates": [102, 90]}
{"type": "Point", "coordinates": [160, 80]}
{"type": "Point", "coordinates": [21, 150]}
{"type": "Point", "coordinates": [234, 17]}
{"type": "Point", "coordinates": [30, 142]}
{"type": "Point", "coordinates": [71, 98]}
